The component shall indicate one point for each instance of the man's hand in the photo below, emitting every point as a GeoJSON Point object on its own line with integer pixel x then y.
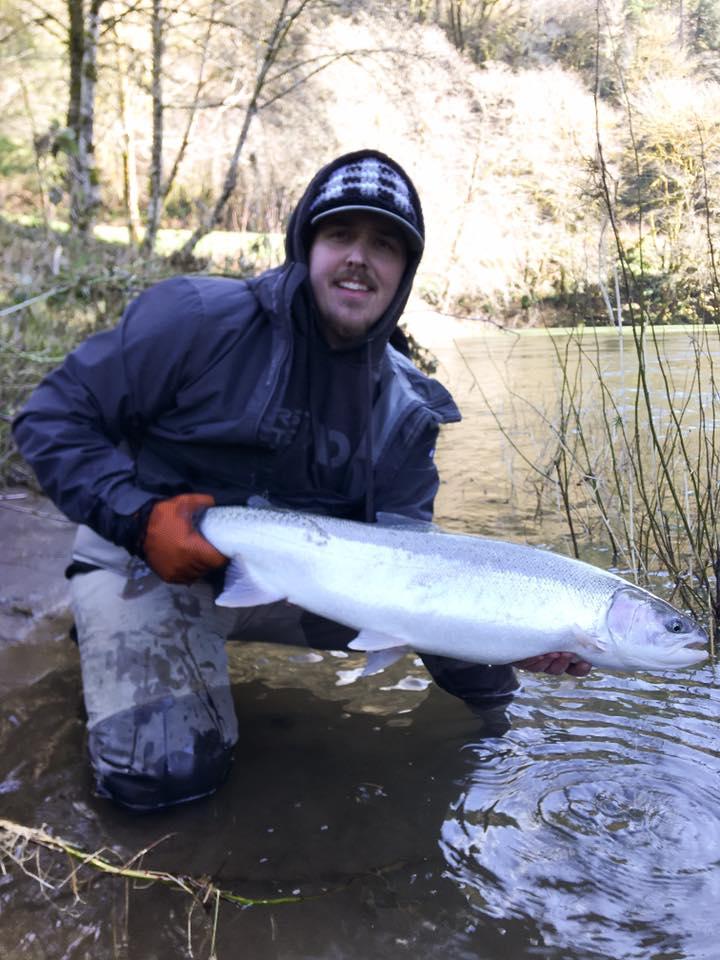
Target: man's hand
{"type": "Point", "coordinates": [556, 663]}
{"type": "Point", "coordinates": [173, 548]}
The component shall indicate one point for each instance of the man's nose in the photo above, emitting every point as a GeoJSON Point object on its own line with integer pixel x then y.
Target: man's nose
{"type": "Point", "coordinates": [357, 251]}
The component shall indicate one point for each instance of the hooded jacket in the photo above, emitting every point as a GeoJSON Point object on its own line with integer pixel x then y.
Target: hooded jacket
{"type": "Point", "coordinates": [228, 387]}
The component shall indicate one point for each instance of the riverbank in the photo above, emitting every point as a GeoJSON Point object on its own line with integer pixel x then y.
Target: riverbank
{"type": "Point", "coordinates": [34, 598]}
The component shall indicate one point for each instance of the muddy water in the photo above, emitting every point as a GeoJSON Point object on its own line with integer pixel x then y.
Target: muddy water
{"type": "Point", "coordinates": [581, 822]}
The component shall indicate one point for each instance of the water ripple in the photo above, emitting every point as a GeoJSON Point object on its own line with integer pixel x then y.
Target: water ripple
{"type": "Point", "coordinates": [598, 817]}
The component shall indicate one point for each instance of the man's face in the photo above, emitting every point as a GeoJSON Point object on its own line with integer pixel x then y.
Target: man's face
{"type": "Point", "coordinates": [357, 260]}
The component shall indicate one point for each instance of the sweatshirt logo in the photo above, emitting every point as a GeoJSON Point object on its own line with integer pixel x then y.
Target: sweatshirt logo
{"type": "Point", "coordinates": [331, 446]}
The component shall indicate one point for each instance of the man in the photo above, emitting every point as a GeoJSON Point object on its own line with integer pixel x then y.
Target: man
{"type": "Point", "coordinates": [213, 390]}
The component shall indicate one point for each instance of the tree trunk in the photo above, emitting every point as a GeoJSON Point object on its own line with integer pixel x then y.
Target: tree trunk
{"type": "Point", "coordinates": [129, 158]}
{"type": "Point", "coordinates": [76, 45]}
{"type": "Point", "coordinates": [456, 24]}
{"type": "Point", "coordinates": [37, 155]}
{"type": "Point", "coordinates": [164, 187]}
{"type": "Point", "coordinates": [155, 200]}
{"type": "Point", "coordinates": [83, 43]}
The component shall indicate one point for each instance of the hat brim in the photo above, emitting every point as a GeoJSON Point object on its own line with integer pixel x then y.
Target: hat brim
{"type": "Point", "coordinates": [413, 237]}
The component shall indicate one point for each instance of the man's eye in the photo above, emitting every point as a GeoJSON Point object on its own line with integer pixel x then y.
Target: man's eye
{"type": "Point", "coordinates": [387, 243]}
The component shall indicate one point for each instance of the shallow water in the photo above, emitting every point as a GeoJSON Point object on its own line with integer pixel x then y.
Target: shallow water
{"type": "Point", "coordinates": [579, 823]}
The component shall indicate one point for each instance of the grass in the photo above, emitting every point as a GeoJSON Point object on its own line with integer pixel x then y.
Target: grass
{"type": "Point", "coordinates": [219, 246]}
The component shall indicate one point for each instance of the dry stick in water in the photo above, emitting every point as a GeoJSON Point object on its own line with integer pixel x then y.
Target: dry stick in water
{"type": "Point", "coordinates": [14, 835]}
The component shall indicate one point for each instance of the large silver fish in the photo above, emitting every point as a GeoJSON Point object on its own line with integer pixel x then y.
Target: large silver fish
{"type": "Point", "coordinates": [407, 586]}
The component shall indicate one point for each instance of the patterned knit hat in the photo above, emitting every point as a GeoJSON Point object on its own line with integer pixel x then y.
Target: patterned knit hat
{"type": "Point", "coordinates": [372, 183]}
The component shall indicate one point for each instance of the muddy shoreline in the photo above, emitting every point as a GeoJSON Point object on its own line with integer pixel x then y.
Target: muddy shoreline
{"type": "Point", "coordinates": [36, 543]}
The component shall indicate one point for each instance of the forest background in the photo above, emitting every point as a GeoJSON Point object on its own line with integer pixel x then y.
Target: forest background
{"type": "Point", "coordinates": [567, 152]}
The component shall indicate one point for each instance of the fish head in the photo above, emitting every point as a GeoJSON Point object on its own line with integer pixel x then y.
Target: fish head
{"type": "Point", "coordinates": [645, 632]}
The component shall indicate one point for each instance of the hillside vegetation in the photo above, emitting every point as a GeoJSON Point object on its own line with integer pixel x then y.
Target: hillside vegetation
{"type": "Point", "coordinates": [532, 127]}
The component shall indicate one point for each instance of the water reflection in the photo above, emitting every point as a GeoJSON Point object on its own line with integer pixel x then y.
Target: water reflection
{"type": "Point", "coordinates": [340, 800]}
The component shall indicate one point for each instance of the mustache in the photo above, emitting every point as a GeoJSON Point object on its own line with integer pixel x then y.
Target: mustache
{"type": "Point", "coordinates": [355, 276]}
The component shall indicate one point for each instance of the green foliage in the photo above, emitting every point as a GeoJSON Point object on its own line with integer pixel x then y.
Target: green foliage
{"type": "Point", "coordinates": [423, 358]}
{"type": "Point", "coordinates": [182, 203]}
{"type": "Point", "coordinates": [15, 157]}
{"type": "Point", "coordinates": [636, 10]}
{"type": "Point", "coordinates": [704, 25]}
{"type": "Point", "coordinates": [668, 299]}
{"type": "Point", "coordinates": [179, 206]}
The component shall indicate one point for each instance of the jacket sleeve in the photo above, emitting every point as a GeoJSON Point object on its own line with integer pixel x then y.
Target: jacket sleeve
{"type": "Point", "coordinates": [76, 429]}
{"type": "Point", "coordinates": [414, 486]}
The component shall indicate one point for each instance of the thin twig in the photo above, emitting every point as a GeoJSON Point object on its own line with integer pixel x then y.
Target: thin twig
{"type": "Point", "coordinates": [201, 889]}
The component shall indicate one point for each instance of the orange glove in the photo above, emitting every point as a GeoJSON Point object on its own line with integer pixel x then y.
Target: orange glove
{"type": "Point", "coordinates": [173, 547]}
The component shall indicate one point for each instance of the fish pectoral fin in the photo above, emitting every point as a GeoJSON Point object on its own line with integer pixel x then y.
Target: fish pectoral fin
{"type": "Point", "coordinates": [241, 590]}
{"type": "Point", "coordinates": [586, 644]}
{"type": "Point", "coordinates": [381, 649]}
{"type": "Point", "coordinates": [379, 659]}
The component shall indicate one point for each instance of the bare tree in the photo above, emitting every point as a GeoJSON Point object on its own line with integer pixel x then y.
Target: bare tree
{"type": "Point", "coordinates": [274, 43]}
{"type": "Point", "coordinates": [280, 70]}
{"type": "Point", "coordinates": [129, 154]}
{"type": "Point", "coordinates": [83, 37]}
{"type": "Point", "coordinates": [469, 24]}
{"type": "Point", "coordinates": [160, 187]}
{"type": "Point", "coordinates": [155, 197]}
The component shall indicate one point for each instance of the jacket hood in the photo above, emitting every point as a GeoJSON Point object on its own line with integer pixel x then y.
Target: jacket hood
{"type": "Point", "coordinates": [300, 231]}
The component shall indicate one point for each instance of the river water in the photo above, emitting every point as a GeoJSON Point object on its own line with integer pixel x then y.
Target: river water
{"type": "Point", "coordinates": [580, 822]}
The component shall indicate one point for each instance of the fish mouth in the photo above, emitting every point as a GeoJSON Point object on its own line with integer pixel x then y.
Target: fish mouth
{"type": "Point", "coordinates": [695, 645]}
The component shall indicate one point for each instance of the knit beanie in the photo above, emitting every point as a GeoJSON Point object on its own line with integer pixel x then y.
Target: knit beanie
{"type": "Point", "coordinates": [375, 183]}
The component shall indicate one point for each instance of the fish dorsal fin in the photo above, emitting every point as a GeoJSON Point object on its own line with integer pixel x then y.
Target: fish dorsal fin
{"type": "Point", "coordinates": [398, 521]}
{"type": "Point", "coordinates": [242, 590]}
{"type": "Point", "coordinates": [382, 650]}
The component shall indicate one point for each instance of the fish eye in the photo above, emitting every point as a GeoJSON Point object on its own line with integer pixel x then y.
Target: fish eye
{"type": "Point", "coordinates": [675, 625]}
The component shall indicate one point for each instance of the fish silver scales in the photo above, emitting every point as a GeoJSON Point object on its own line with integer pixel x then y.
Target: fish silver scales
{"type": "Point", "coordinates": [416, 588]}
